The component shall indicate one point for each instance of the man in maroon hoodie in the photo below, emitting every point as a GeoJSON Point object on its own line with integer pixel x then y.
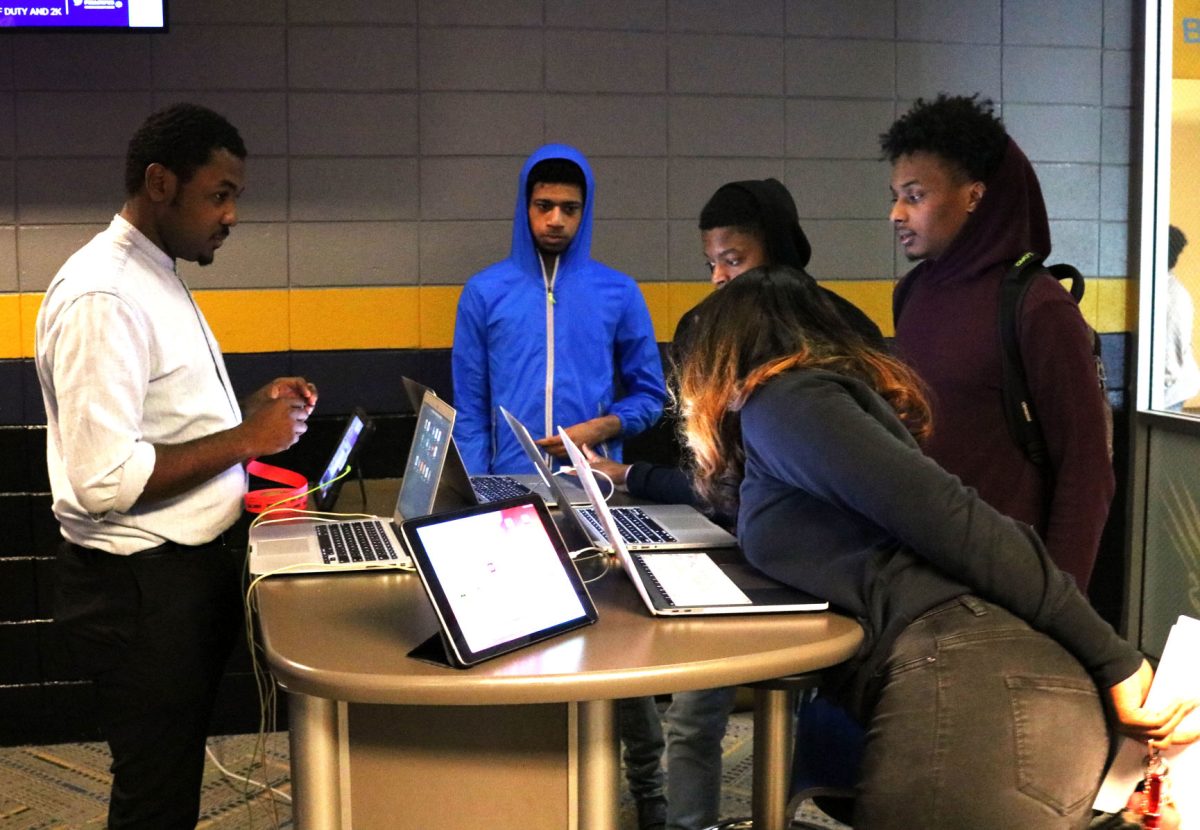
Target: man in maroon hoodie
{"type": "Point", "coordinates": [967, 204]}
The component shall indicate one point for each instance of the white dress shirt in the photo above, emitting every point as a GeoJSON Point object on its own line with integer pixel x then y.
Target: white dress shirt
{"type": "Point", "coordinates": [126, 361]}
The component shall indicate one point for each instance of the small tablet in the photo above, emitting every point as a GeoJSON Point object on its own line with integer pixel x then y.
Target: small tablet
{"type": "Point", "coordinates": [354, 436]}
{"type": "Point", "coordinates": [499, 577]}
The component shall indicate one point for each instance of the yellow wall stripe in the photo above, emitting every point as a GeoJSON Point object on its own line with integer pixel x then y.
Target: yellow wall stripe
{"type": "Point", "coordinates": [422, 317]}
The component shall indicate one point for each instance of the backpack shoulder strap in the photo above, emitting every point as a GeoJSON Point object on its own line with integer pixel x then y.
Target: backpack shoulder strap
{"type": "Point", "coordinates": [1018, 401]}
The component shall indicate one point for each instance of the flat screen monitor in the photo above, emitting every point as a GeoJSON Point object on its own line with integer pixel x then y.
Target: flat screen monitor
{"type": "Point", "coordinates": [85, 15]}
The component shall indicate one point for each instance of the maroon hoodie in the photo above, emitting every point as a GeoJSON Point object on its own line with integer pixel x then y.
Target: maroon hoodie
{"type": "Point", "coordinates": [948, 331]}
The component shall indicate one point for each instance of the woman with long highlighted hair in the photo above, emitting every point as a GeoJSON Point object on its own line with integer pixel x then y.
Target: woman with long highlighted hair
{"type": "Point", "coordinates": [984, 675]}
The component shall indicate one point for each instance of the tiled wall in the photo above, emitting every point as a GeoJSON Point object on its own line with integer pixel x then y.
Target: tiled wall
{"type": "Point", "coordinates": [386, 137]}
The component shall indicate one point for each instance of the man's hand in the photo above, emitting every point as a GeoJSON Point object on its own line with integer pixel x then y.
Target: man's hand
{"type": "Point", "coordinates": [615, 470]}
{"type": "Point", "coordinates": [593, 432]}
{"type": "Point", "coordinates": [1157, 728]}
{"type": "Point", "coordinates": [276, 417]}
{"type": "Point", "coordinates": [293, 387]}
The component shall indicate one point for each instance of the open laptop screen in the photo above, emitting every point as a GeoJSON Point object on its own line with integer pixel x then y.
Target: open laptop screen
{"type": "Point", "coordinates": [426, 457]}
{"type": "Point", "coordinates": [353, 438]}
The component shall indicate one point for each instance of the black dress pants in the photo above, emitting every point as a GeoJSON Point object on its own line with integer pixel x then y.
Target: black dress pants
{"type": "Point", "coordinates": [153, 630]}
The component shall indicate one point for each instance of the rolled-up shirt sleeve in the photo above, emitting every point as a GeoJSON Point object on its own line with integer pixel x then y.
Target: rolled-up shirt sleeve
{"type": "Point", "coordinates": [102, 367]}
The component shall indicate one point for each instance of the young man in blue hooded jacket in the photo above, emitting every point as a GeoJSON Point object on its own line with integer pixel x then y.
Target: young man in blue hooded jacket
{"type": "Point", "coordinates": [545, 332]}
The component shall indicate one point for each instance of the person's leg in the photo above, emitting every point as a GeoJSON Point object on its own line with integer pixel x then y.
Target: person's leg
{"type": "Point", "coordinates": [981, 722]}
{"type": "Point", "coordinates": [154, 631]}
{"type": "Point", "coordinates": [696, 724]}
{"type": "Point", "coordinates": [642, 738]}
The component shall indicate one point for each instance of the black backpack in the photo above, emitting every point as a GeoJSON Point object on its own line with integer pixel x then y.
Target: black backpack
{"type": "Point", "coordinates": [1019, 410]}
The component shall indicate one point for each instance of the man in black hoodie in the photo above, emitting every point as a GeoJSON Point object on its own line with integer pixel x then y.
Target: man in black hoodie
{"type": "Point", "coordinates": [744, 225]}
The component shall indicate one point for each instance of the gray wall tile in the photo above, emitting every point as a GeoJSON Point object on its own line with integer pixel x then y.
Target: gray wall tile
{"type": "Point", "coordinates": [265, 198]}
{"type": "Point", "coordinates": [1055, 133]}
{"type": "Point", "coordinates": [352, 11]}
{"type": "Point", "coordinates": [42, 249]}
{"type": "Point", "coordinates": [926, 69]}
{"type": "Point", "coordinates": [1071, 191]}
{"type": "Point", "coordinates": [726, 64]}
{"type": "Point", "coordinates": [685, 253]}
{"type": "Point", "coordinates": [96, 192]}
{"type": "Point", "coordinates": [950, 21]}
{"type": "Point", "coordinates": [8, 194]}
{"type": "Point", "coordinates": [764, 17]}
{"type": "Point", "coordinates": [78, 123]}
{"type": "Point", "coordinates": [629, 15]}
{"type": "Point", "coordinates": [1114, 250]}
{"type": "Point", "coordinates": [692, 181]}
{"type": "Point", "coordinates": [839, 189]}
{"type": "Point", "coordinates": [634, 125]}
{"type": "Point", "coordinates": [226, 11]}
{"type": "Point", "coordinates": [839, 19]}
{"type": "Point", "coordinates": [8, 132]}
{"type": "Point", "coordinates": [692, 118]}
{"type": "Point", "coordinates": [481, 13]}
{"type": "Point", "coordinates": [630, 188]}
{"type": "Point", "coordinates": [452, 252]}
{"type": "Point", "coordinates": [844, 69]}
{"type": "Point", "coordinates": [583, 61]}
{"type": "Point", "coordinates": [1118, 78]}
{"type": "Point", "coordinates": [454, 123]}
{"type": "Point", "coordinates": [469, 188]}
{"type": "Point", "coordinates": [352, 58]}
{"type": "Point", "coordinates": [1119, 20]}
{"type": "Point", "coordinates": [219, 57]}
{"type": "Point", "coordinates": [637, 247]}
{"type": "Point", "coordinates": [1058, 22]}
{"type": "Point", "coordinates": [1076, 74]}
{"type": "Point", "coordinates": [254, 257]}
{"type": "Point", "coordinates": [352, 124]}
{"type": "Point", "coordinates": [352, 253]}
{"type": "Point", "coordinates": [1115, 126]}
{"type": "Point", "coordinates": [114, 62]}
{"type": "Point", "coordinates": [341, 189]}
{"type": "Point", "coordinates": [1077, 243]}
{"type": "Point", "coordinates": [1114, 193]}
{"type": "Point", "coordinates": [8, 259]}
{"type": "Point", "coordinates": [850, 249]}
{"type": "Point", "coordinates": [824, 128]}
{"type": "Point", "coordinates": [481, 59]}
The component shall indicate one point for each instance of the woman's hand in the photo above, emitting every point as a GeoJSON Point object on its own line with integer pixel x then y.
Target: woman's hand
{"type": "Point", "coordinates": [613, 469]}
{"type": "Point", "coordinates": [1156, 727]}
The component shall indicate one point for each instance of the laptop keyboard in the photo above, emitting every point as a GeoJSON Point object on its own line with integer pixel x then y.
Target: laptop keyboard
{"type": "Point", "coordinates": [635, 525]}
{"type": "Point", "coordinates": [494, 488]}
{"type": "Point", "coordinates": [345, 543]}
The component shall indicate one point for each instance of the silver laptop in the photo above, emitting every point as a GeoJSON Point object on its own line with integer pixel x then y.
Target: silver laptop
{"type": "Point", "coordinates": [691, 582]}
{"type": "Point", "coordinates": [484, 489]}
{"type": "Point", "coordinates": [305, 545]}
{"type": "Point", "coordinates": [643, 527]}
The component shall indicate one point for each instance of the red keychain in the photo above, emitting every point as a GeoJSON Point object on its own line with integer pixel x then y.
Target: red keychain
{"type": "Point", "coordinates": [1154, 790]}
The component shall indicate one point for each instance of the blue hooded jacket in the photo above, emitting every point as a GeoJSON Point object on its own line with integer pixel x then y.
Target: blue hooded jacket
{"type": "Point", "coordinates": [550, 357]}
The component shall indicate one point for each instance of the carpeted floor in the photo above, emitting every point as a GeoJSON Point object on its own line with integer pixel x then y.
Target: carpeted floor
{"type": "Point", "coordinates": [65, 786]}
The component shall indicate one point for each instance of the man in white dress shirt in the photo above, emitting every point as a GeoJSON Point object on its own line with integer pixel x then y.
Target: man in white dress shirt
{"type": "Point", "coordinates": [145, 445]}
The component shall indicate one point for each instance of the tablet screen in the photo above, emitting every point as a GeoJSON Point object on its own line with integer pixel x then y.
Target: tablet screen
{"type": "Point", "coordinates": [499, 577]}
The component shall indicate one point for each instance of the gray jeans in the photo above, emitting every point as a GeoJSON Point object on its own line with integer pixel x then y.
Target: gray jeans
{"type": "Point", "coordinates": [981, 722]}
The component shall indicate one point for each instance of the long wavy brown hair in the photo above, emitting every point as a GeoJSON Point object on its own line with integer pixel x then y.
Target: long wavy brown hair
{"type": "Point", "coordinates": [768, 321]}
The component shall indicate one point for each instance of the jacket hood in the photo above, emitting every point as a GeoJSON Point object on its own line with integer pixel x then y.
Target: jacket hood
{"type": "Point", "coordinates": [1010, 221]}
{"type": "Point", "coordinates": [524, 251]}
{"type": "Point", "coordinates": [786, 242]}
